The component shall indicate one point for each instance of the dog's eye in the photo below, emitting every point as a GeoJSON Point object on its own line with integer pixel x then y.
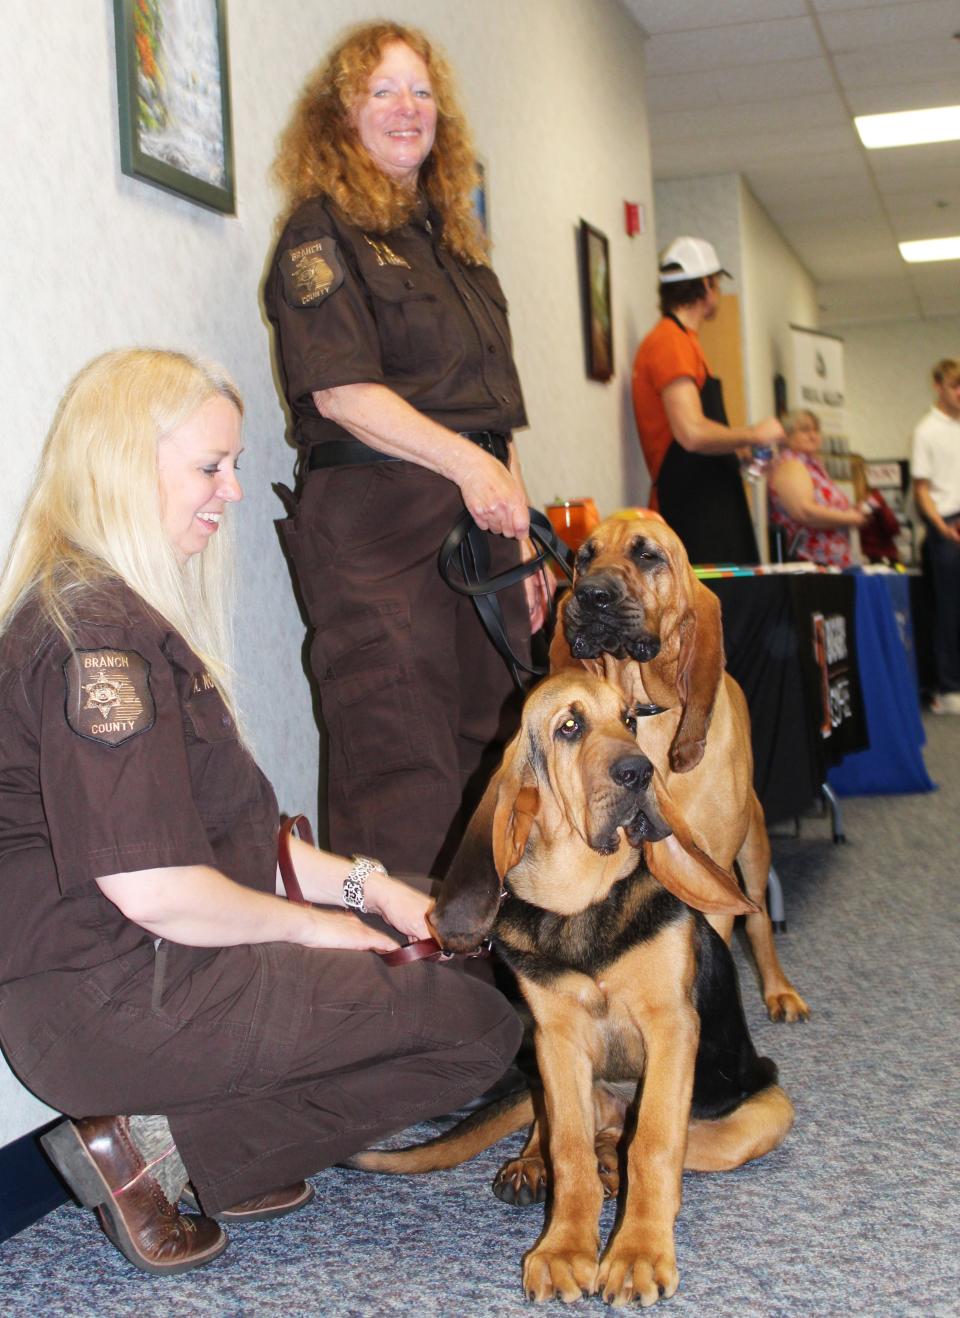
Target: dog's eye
{"type": "Point", "coordinates": [569, 729]}
{"type": "Point", "coordinates": [631, 722]}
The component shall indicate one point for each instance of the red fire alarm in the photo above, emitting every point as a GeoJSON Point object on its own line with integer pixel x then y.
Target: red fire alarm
{"type": "Point", "coordinates": [633, 218]}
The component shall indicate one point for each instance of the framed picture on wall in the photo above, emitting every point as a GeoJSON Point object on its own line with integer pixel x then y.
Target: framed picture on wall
{"type": "Point", "coordinates": [173, 92]}
{"type": "Point", "coordinates": [595, 295]}
{"type": "Point", "coordinates": [480, 201]}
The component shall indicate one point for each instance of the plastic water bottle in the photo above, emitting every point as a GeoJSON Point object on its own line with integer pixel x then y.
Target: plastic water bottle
{"type": "Point", "coordinates": [758, 462]}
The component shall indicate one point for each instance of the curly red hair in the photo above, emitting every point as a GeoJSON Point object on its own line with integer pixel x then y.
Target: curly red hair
{"type": "Point", "coordinates": [320, 152]}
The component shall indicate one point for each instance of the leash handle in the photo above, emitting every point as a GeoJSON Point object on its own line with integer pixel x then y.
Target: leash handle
{"type": "Point", "coordinates": [294, 826]}
{"type": "Point", "coordinates": [466, 540]}
{"type": "Point", "coordinates": [465, 531]}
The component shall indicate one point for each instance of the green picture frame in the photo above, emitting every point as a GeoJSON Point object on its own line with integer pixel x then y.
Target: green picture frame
{"type": "Point", "coordinates": [596, 301]}
{"type": "Point", "coordinates": [173, 95]}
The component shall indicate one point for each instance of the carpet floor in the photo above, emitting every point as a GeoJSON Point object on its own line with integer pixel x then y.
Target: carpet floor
{"type": "Point", "coordinates": [856, 1214]}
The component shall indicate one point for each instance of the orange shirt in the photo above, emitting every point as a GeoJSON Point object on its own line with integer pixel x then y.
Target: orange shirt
{"type": "Point", "coordinates": [667, 353]}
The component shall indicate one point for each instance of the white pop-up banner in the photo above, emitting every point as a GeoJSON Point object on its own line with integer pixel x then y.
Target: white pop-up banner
{"type": "Point", "coordinates": [818, 380]}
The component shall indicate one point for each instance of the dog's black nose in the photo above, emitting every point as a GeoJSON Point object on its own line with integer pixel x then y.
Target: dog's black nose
{"type": "Point", "coordinates": [633, 772]}
{"type": "Point", "coordinates": [597, 593]}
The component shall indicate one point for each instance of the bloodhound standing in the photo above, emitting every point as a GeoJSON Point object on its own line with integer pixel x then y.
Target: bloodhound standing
{"type": "Point", "coordinates": [638, 616]}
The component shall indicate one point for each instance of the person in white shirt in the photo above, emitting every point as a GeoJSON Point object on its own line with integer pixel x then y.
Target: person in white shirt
{"type": "Point", "coordinates": [936, 484]}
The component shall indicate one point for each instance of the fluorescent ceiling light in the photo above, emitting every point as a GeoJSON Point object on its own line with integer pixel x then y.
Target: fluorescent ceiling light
{"type": "Point", "coordinates": [932, 249]}
{"type": "Point", "coordinates": [909, 127]}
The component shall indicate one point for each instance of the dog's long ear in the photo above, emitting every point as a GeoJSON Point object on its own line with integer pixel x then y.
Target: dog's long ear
{"type": "Point", "coordinates": [470, 894]}
{"type": "Point", "coordinates": [699, 673]}
{"type": "Point", "coordinates": [517, 807]}
{"type": "Point", "coordinates": [686, 871]}
{"type": "Point", "coordinates": [493, 843]}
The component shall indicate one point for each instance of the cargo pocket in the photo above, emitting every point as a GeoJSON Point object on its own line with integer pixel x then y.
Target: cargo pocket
{"type": "Point", "coordinates": [370, 692]}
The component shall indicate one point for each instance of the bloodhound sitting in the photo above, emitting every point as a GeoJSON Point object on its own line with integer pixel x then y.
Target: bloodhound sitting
{"type": "Point", "coordinates": [638, 616]}
{"type": "Point", "coordinates": [631, 991]}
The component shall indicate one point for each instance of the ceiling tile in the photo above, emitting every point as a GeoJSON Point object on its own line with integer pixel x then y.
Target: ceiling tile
{"type": "Point", "coordinates": [907, 95]}
{"type": "Point", "coordinates": [890, 24]}
{"type": "Point", "coordinates": [907, 61]}
{"type": "Point", "coordinates": [681, 15]}
{"type": "Point", "coordinates": [920, 210]}
{"type": "Point", "coordinates": [943, 303]}
{"type": "Point", "coordinates": [902, 168]}
{"type": "Point", "coordinates": [844, 167]}
{"type": "Point", "coordinates": [708, 156]}
{"type": "Point", "coordinates": [728, 47]}
{"type": "Point", "coordinates": [791, 115]}
{"type": "Point", "coordinates": [821, 206]}
{"type": "Point", "coordinates": [743, 84]}
{"type": "Point", "coordinates": [830, 6]}
{"type": "Point", "coordinates": [938, 224]}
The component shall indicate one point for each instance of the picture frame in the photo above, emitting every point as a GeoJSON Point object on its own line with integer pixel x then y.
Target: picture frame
{"type": "Point", "coordinates": [481, 204]}
{"type": "Point", "coordinates": [173, 96]}
{"type": "Point", "coordinates": [597, 306]}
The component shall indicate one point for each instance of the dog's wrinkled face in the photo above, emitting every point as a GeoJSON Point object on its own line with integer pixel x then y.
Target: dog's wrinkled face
{"type": "Point", "coordinates": [626, 585]}
{"type": "Point", "coordinates": [564, 816]}
{"type": "Point", "coordinates": [590, 775]}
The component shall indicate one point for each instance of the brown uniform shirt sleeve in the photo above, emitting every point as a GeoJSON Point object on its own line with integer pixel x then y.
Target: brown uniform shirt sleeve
{"type": "Point", "coordinates": [115, 780]}
{"type": "Point", "coordinates": [326, 337]}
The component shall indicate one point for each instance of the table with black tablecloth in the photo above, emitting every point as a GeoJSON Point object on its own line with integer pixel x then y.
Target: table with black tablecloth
{"type": "Point", "coordinates": [791, 644]}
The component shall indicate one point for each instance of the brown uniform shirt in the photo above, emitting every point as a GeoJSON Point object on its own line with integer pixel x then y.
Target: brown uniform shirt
{"type": "Point", "coordinates": [120, 756]}
{"type": "Point", "coordinates": [396, 309]}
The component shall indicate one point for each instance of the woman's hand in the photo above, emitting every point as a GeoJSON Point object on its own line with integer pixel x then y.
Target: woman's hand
{"type": "Point", "coordinates": [345, 932]}
{"type": "Point", "coordinates": [495, 499]}
{"type": "Point", "coordinates": [538, 588]}
{"type": "Point", "coordinates": [403, 907]}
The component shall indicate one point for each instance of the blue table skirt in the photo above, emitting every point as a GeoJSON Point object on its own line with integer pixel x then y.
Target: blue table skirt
{"type": "Point", "coordinates": [894, 763]}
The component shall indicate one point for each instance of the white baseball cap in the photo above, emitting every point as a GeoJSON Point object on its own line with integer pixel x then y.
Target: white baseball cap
{"type": "Point", "coordinates": [695, 257]}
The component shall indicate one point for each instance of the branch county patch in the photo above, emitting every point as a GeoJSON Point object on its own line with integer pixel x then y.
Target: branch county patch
{"type": "Point", "coordinates": [311, 272]}
{"type": "Point", "coordinates": [108, 697]}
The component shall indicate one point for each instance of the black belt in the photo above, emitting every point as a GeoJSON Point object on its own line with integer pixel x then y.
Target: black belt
{"type": "Point", "coordinates": [354, 453]}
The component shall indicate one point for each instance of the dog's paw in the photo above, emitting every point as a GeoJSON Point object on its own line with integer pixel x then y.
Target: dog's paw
{"type": "Point", "coordinates": [786, 1005]}
{"type": "Point", "coordinates": [521, 1182]}
{"type": "Point", "coordinates": [633, 1270]}
{"type": "Point", "coordinates": [608, 1164]}
{"type": "Point", "coordinates": [552, 1273]}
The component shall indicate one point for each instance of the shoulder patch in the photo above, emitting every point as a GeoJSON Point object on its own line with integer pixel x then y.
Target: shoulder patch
{"type": "Point", "coordinates": [311, 272]}
{"type": "Point", "coordinates": [108, 696]}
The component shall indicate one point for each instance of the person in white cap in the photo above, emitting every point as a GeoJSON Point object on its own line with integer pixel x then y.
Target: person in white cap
{"type": "Point", "coordinates": [689, 446]}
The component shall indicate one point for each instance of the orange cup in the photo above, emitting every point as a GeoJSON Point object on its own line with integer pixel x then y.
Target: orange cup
{"type": "Point", "coordinates": [573, 520]}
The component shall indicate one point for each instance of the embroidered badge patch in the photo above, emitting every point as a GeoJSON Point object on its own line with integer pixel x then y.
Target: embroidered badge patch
{"type": "Point", "coordinates": [311, 272]}
{"type": "Point", "coordinates": [108, 696]}
{"type": "Point", "coordinates": [385, 255]}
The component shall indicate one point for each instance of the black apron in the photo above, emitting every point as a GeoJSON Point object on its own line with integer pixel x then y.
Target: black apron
{"type": "Point", "coordinates": [701, 495]}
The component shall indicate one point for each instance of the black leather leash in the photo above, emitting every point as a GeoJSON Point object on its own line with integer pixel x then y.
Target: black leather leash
{"type": "Point", "coordinates": [468, 547]}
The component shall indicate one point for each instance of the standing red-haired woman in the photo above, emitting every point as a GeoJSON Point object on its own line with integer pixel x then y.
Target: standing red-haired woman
{"type": "Point", "coordinates": [396, 361]}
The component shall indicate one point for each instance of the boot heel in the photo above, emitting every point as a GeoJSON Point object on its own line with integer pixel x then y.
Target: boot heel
{"type": "Point", "coordinates": [69, 1155]}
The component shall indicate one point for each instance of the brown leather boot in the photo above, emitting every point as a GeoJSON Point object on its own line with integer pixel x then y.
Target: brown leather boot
{"type": "Point", "coordinates": [99, 1162]}
{"type": "Point", "coordinates": [262, 1207]}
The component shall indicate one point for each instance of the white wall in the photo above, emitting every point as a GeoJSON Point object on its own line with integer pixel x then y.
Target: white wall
{"type": "Point", "coordinates": [775, 290]}
{"type": "Point", "coordinates": [91, 260]}
{"type": "Point", "coordinates": [888, 367]}
{"type": "Point", "coordinates": [777, 293]}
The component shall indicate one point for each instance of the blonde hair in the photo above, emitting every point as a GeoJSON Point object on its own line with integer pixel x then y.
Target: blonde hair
{"type": "Point", "coordinates": [320, 152]}
{"type": "Point", "coordinates": [95, 510]}
{"type": "Point", "coordinates": [791, 420]}
{"type": "Point", "coordinates": [946, 371]}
